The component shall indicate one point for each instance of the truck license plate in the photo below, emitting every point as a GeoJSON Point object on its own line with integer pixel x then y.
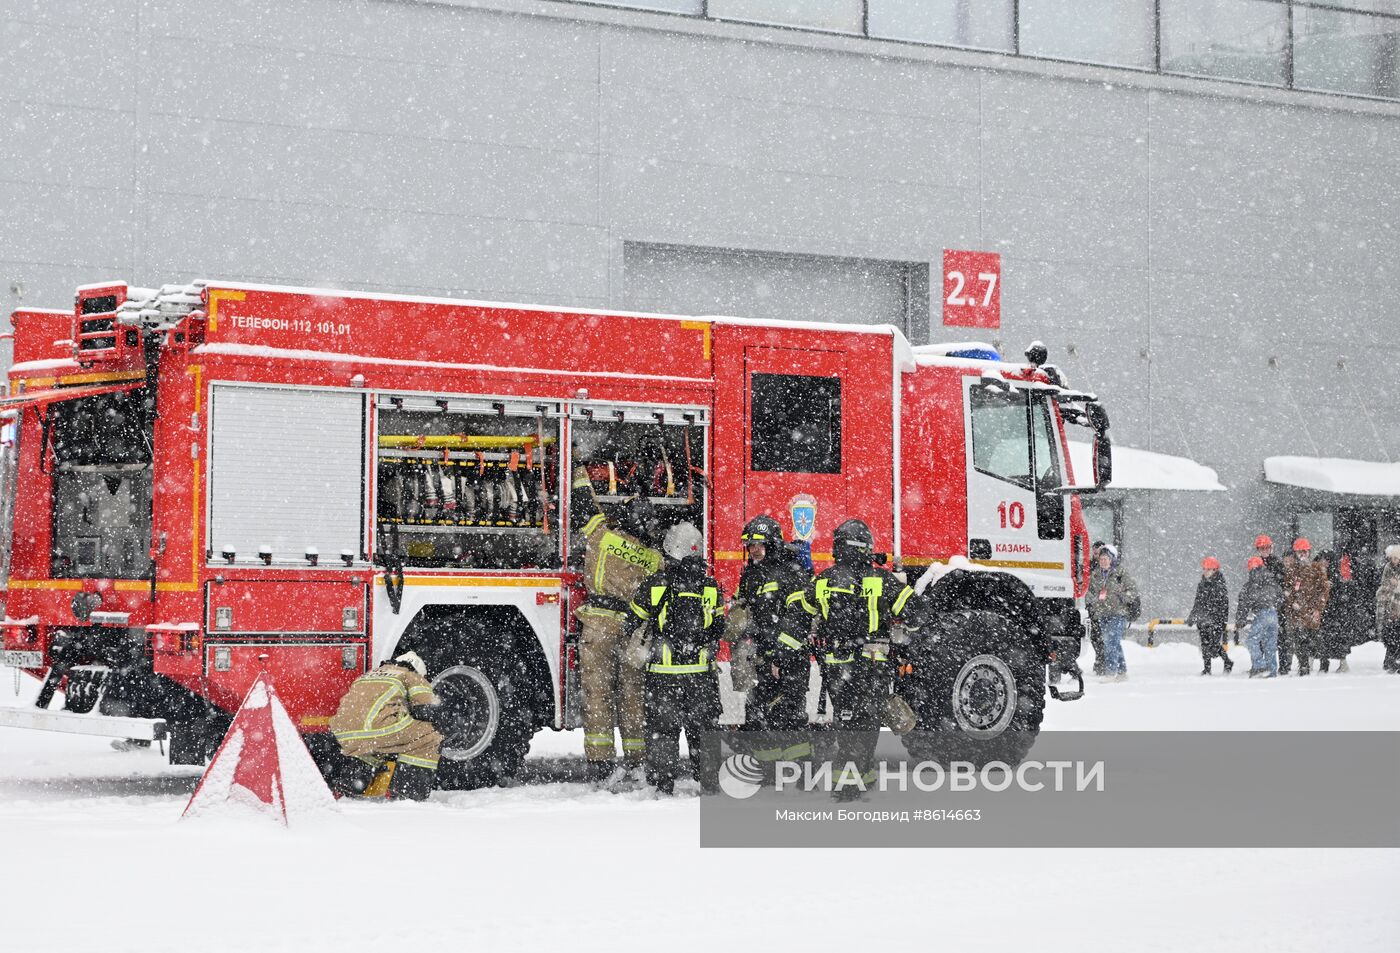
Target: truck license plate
{"type": "Point", "coordinates": [22, 659]}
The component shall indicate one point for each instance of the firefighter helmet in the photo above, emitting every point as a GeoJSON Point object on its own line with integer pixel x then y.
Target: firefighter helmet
{"type": "Point", "coordinates": [852, 542]}
{"type": "Point", "coordinates": [682, 540]}
{"type": "Point", "coordinates": [763, 529]}
{"type": "Point", "coordinates": [414, 661]}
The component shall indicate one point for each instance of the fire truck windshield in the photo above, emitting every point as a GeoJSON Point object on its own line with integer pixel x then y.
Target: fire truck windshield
{"type": "Point", "coordinates": [101, 486]}
{"type": "Point", "coordinates": [1005, 428]}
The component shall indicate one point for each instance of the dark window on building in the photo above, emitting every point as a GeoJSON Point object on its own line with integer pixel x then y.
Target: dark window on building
{"type": "Point", "coordinates": [1111, 32]}
{"type": "Point", "coordinates": [796, 423]}
{"type": "Point", "coordinates": [1233, 39]}
{"type": "Point", "coordinates": [1346, 52]}
{"type": "Point", "coordinates": [980, 24]}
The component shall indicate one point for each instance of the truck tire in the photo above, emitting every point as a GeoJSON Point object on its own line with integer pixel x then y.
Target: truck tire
{"type": "Point", "coordinates": [978, 691]}
{"type": "Point", "coordinates": [487, 722]}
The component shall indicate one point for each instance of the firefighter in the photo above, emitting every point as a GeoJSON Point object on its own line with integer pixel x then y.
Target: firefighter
{"type": "Point", "coordinates": [684, 607]}
{"type": "Point", "coordinates": [775, 637]}
{"type": "Point", "coordinates": [855, 602]}
{"type": "Point", "coordinates": [387, 714]}
{"type": "Point", "coordinates": [617, 558]}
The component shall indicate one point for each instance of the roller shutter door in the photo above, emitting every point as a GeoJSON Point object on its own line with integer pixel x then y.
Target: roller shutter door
{"type": "Point", "coordinates": [286, 470]}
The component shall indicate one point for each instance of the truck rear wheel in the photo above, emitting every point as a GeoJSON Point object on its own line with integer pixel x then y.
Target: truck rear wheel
{"type": "Point", "coordinates": [978, 691]}
{"type": "Point", "coordinates": [486, 723]}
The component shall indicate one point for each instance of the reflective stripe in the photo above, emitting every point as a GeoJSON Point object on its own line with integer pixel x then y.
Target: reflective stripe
{"type": "Point", "coordinates": [599, 610]}
{"type": "Point", "coordinates": [903, 598]}
{"type": "Point", "coordinates": [398, 689]}
{"type": "Point", "coordinates": [393, 729]}
{"type": "Point", "coordinates": [639, 611]}
{"type": "Point", "coordinates": [709, 604]}
{"type": "Point", "coordinates": [592, 525]}
{"type": "Point", "coordinates": [875, 655]}
{"type": "Point", "coordinates": [833, 660]}
{"type": "Point", "coordinates": [667, 667]}
{"type": "Point", "coordinates": [615, 547]}
{"type": "Point", "coordinates": [429, 763]}
{"type": "Point", "coordinates": [873, 587]}
{"type": "Point", "coordinates": [824, 591]}
{"type": "Point", "coordinates": [634, 744]}
{"type": "Point", "coordinates": [800, 597]}
{"type": "Point", "coordinates": [419, 690]}
{"type": "Point", "coordinates": [598, 739]}
{"type": "Point", "coordinates": [803, 750]}
{"type": "Point", "coordinates": [768, 587]}
{"type": "Point", "coordinates": [789, 641]}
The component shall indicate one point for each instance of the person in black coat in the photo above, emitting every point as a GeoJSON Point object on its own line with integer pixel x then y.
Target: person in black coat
{"type": "Point", "coordinates": [1340, 625]}
{"type": "Point", "coordinates": [1210, 614]}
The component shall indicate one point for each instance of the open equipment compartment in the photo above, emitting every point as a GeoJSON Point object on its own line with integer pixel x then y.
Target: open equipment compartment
{"type": "Point", "coordinates": [651, 451]}
{"type": "Point", "coordinates": [468, 482]}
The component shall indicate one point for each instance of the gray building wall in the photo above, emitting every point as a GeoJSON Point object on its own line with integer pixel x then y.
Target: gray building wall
{"type": "Point", "coordinates": [1219, 262]}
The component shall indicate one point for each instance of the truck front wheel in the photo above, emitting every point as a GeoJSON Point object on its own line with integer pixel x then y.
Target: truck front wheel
{"type": "Point", "coordinates": [978, 691]}
{"type": "Point", "coordinates": [486, 723]}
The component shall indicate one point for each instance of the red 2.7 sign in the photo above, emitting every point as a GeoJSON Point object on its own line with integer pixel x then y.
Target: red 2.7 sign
{"type": "Point", "coordinates": [971, 289]}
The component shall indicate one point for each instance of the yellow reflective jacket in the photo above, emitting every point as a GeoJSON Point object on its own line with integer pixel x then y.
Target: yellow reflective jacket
{"type": "Point", "coordinates": [377, 703]}
{"type": "Point", "coordinates": [615, 563]}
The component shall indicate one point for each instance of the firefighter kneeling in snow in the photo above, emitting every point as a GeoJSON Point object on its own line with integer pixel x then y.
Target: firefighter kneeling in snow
{"type": "Point", "coordinates": [683, 604]}
{"type": "Point", "coordinates": [387, 713]}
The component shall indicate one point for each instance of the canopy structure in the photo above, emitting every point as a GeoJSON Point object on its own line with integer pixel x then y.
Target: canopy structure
{"type": "Point", "coordinates": [1335, 475]}
{"type": "Point", "coordinates": [1135, 469]}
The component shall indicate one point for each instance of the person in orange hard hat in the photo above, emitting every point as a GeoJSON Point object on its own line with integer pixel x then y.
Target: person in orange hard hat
{"type": "Point", "coordinates": [1257, 612]}
{"type": "Point", "coordinates": [1210, 615]}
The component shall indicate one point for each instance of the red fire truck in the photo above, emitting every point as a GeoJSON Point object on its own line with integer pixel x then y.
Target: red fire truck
{"type": "Point", "coordinates": [216, 479]}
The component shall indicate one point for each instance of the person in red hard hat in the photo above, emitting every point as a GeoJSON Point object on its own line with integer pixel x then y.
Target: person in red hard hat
{"type": "Point", "coordinates": [1264, 550]}
{"type": "Point", "coordinates": [1257, 611]}
{"type": "Point", "coordinates": [1306, 588]}
{"type": "Point", "coordinates": [1210, 615]}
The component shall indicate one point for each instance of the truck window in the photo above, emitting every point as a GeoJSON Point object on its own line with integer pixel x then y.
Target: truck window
{"type": "Point", "coordinates": [795, 423]}
{"type": "Point", "coordinates": [101, 486]}
{"type": "Point", "coordinates": [1001, 440]}
{"type": "Point", "coordinates": [1047, 456]}
{"type": "Point", "coordinates": [462, 487]}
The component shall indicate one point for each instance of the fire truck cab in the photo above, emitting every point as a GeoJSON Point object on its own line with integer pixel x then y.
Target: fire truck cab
{"type": "Point", "coordinates": [217, 479]}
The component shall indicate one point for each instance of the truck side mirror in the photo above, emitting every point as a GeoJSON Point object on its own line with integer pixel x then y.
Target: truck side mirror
{"type": "Point", "coordinates": [1103, 445]}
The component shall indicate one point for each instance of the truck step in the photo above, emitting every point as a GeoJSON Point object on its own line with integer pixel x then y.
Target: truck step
{"type": "Point", "coordinates": [103, 726]}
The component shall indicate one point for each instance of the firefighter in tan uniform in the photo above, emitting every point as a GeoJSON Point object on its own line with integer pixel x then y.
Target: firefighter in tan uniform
{"type": "Point", "coordinates": [387, 713]}
{"type": "Point", "coordinates": [616, 560]}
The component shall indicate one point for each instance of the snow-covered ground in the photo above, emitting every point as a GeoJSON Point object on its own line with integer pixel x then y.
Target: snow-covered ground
{"type": "Point", "coordinates": [96, 859]}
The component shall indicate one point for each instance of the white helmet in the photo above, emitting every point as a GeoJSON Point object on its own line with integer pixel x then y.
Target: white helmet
{"type": "Point", "coordinates": [414, 661]}
{"type": "Point", "coordinates": [682, 540]}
